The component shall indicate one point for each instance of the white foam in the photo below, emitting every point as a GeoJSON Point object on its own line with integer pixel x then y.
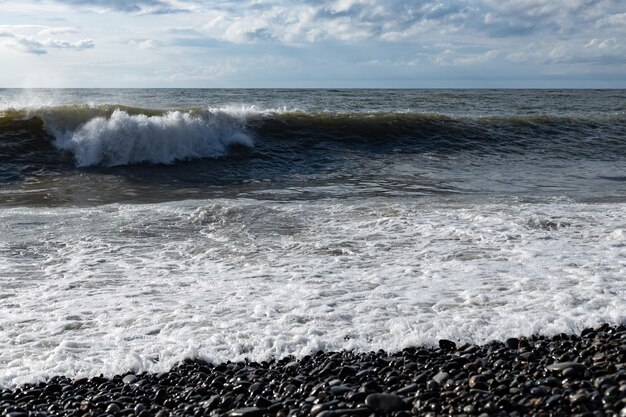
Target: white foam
{"type": "Point", "coordinates": [125, 139]}
{"type": "Point", "coordinates": [86, 291]}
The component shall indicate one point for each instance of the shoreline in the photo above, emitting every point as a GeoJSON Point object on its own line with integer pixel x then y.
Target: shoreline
{"type": "Point", "coordinates": [582, 374]}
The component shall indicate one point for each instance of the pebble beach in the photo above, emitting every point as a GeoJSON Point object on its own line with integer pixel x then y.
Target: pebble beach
{"type": "Point", "coordinates": [562, 375]}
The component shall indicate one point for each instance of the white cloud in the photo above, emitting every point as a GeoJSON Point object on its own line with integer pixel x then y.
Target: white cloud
{"type": "Point", "coordinates": [147, 44]}
{"type": "Point", "coordinates": [57, 31]}
{"type": "Point", "coordinates": [78, 45]}
{"type": "Point", "coordinates": [450, 57]}
{"type": "Point", "coordinates": [32, 45]}
{"type": "Point", "coordinates": [143, 44]}
{"type": "Point", "coordinates": [603, 45]}
{"type": "Point", "coordinates": [133, 6]}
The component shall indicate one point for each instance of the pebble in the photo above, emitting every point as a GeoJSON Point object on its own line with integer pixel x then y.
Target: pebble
{"type": "Point", "coordinates": [409, 389]}
{"type": "Point", "coordinates": [130, 379]}
{"type": "Point", "coordinates": [512, 342]}
{"type": "Point", "coordinates": [441, 377]}
{"type": "Point", "coordinates": [478, 382]}
{"type": "Point", "coordinates": [247, 412]}
{"type": "Point", "coordinates": [385, 402]}
{"type": "Point", "coordinates": [448, 345]}
{"type": "Point", "coordinates": [340, 389]}
{"type": "Point", "coordinates": [345, 412]}
{"type": "Point", "coordinates": [563, 366]}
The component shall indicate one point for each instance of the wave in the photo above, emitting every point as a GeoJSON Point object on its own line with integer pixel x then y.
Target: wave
{"type": "Point", "coordinates": [117, 135]}
{"type": "Point", "coordinates": [124, 139]}
{"type": "Point", "coordinates": [114, 135]}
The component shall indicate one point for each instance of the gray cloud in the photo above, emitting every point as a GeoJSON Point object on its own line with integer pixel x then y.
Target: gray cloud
{"type": "Point", "coordinates": [395, 20]}
{"type": "Point", "coordinates": [500, 31]}
{"type": "Point", "coordinates": [130, 6]}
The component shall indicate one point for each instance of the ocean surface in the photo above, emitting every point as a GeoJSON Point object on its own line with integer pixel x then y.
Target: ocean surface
{"type": "Point", "coordinates": [141, 227]}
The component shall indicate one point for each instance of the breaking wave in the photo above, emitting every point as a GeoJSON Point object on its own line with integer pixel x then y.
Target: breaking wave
{"type": "Point", "coordinates": [117, 135]}
{"type": "Point", "coordinates": [124, 139]}
{"type": "Point", "coordinates": [114, 135]}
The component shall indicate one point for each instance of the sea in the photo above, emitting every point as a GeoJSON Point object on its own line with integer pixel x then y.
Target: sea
{"type": "Point", "coordinates": [142, 227]}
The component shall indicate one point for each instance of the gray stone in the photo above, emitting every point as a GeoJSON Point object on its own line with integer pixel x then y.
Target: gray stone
{"type": "Point", "coordinates": [255, 387]}
{"type": "Point", "coordinates": [441, 377]}
{"type": "Point", "coordinates": [432, 385]}
{"type": "Point", "coordinates": [562, 366]}
{"type": "Point", "coordinates": [409, 389]}
{"type": "Point", "coordinates": [130, 379]}
{"type": "Point", "coordinates": [345, 412]}
{"type": "Point", "coordinates": [340, 389]}
{"type": "Point", "coordinates": [385, 402]}
{"type": "Point", "coordinates": [553, 401]}
{"type": "Point", "coordinates": [247, 412]}
{"type": "Point", "coordinates": [139, 408]}
{"type": "Point", "coordinates": [539, 391]}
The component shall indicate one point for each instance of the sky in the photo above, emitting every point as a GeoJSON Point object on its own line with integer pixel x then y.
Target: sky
{"type": "Point", "coordinates": [309, 43]}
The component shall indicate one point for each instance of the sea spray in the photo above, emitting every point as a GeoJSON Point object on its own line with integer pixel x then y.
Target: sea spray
{"type": "Point", "coordinates": [130, 139]}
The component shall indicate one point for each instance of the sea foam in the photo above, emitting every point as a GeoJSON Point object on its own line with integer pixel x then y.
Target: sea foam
{"type": "Point", "coordinates": [117, 288]}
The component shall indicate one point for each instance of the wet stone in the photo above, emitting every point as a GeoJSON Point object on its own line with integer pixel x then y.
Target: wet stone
{"type": "Point", "coordinates": [345, 412]}
{"type": "Point", "coordinates": [579, 398]}
{"type": "Point", "coordinates": [247, 412]}
{"type": "Point", "coordinates": [433, 385]}
{"type": "Point", "coordinates": [385, 402]}
{"type": "Point", "coordinates": [512, 343]}
{"type": "Point", "coordinates": [407, 390]}
{"type": "Point", "coordinates": [340, 389]}
{"type": "Point", "coordinates": [53, 389]}
{"type": "Point", "coordinates": [160, 396]}
{"type": "Point", "coordinates": [17, 414]}
{"type": "Point", "coordinates": [441, 377]}
{"type": "Point", "coordinates": [478, 382]}
{"type": "Point", "coordinates": [130, 379]}
{"type": "Point", "coordinates": [560, 367]}
{"type": "Point", "coordinates": [447, 345]}
{"type": "Point", "coordinates": [539, 391]}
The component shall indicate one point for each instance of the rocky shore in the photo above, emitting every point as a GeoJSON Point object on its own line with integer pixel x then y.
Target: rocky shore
{"type": "Point", "coordinates": [563, 375]}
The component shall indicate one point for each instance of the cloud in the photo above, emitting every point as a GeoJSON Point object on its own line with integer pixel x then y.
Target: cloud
{"type": "Point", "coordinates": [594, 52]}
{"type": "Point", "coordinates": [157, 7]}
{"type": "Point", "coordinates": [455, 58]}
{"type": "Point", "coordinates": [336, 39]}
{"type": "Point", "coordinates": [32, 45]}
{"type": "Point", "coordinates": [57, 31]}
{"type": "Point", "coordinates": [78, 45]}
{"type": "Point", "coordinates": [144, 44]}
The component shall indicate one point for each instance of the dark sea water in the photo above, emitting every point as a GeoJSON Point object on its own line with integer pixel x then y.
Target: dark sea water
{"type": "Point", "coordinates": [141, 227]}
{"type": "Point", "coordinates": [85, 147]}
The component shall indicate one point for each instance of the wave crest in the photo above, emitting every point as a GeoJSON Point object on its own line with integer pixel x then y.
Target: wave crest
{"type": "Point", "coordinates": [124, 138]}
